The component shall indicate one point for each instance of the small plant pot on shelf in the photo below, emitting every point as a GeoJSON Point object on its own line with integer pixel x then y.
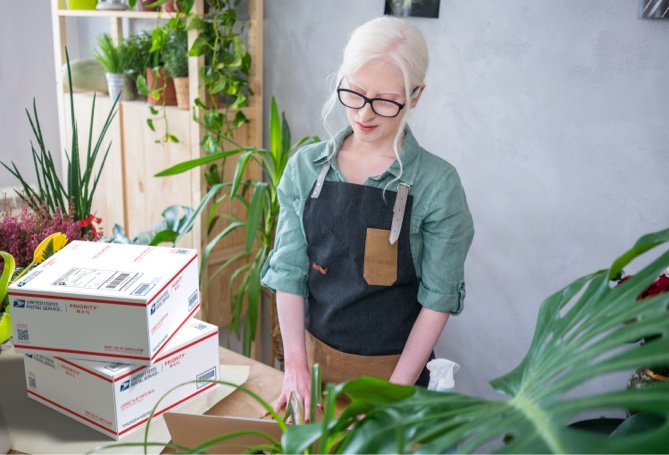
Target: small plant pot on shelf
{"type": "Point", "coordinates": [120, 84]}
{"type": "Point", "coordinates": [172, 6]}
{"type": "Point", "coordinates": [183, 94]}
{"type": "Point", "coordinates": [161, 82]}
{"type": "Point", "coordinates": [143, 5]}
{"type": "Point", "coordinates": [81, 4]}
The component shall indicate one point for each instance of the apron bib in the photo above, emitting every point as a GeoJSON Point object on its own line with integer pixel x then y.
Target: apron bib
{"type": "Point", "coordinates": [363, 289]}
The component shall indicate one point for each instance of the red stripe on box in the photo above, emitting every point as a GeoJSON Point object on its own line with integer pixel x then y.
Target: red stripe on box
{"type": "Point", "coordinates": [85, 370]}
{"type": "Point", "coordinates": [72, 412]}
{"type": "Point", "coordinates": [76, 299]}
{"type": "Point", "coordinates": [72, 351]}
{"type": "Point", "coordinates": [186, 347]}
{"type": "Point", "coordinates": [174, 332]}
{"type": "Point", "coordinates": [172, 279]}
{"type": "Point", "coordinates": [130, 373]}
{"type": "Point", "coordinates": [142, 422]}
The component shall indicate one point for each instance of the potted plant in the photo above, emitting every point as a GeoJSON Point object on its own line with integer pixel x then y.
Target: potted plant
{"type": "Point", "coordinates": [115, 59]}
{"type": "Point", "coordinates": [226, 66]}
{"type": "Point", "coordinates": [143, 5]}
{"type": "Point", "coordinates": [176, 63]}
{"type": "Point", "coordinates": [138, 46]}
{"type": "Point", "coordinates": [75, 194]}
{"type": "Point", "coordinates": [262, 215]}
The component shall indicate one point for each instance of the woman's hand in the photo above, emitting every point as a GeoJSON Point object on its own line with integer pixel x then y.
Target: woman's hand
{"type": "Point", "coordinates": [296, 381]}
{"type": "Point", "coordinates": [297, 378]}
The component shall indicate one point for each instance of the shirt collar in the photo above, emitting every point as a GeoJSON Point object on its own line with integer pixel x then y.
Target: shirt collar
{"type": "Point", "coordinates": [409, 155]}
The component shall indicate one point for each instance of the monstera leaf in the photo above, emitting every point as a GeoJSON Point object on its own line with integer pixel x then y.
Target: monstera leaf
{"type": "Point", "coordinates": [585, 331]}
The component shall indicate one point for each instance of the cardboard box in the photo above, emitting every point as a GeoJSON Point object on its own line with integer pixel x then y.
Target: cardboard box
{"type": "Point", "coordinates": [105, 302]}
{"type": "Point", "coordinates": [116, 399]}
{"type": "Point", "coordinates": [192, 430]}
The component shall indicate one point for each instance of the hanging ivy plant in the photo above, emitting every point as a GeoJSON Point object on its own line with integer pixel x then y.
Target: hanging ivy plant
{"type": "Point", "coordinates": [226, 69]}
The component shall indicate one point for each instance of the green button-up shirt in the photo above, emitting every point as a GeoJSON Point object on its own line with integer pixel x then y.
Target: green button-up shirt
{"type": "Point", "coordinates": [441, 224]}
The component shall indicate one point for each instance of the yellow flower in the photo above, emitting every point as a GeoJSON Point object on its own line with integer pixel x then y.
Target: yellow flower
{"type": "Point", "coordinates": [49, 246]}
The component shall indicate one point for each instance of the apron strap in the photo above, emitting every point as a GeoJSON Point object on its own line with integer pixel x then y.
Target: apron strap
{"type": "Point", "coordinates": [319, 181]}
{"type": "Point", "coordinates": [398, 211]}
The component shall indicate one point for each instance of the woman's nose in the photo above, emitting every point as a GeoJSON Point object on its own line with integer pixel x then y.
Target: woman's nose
{"type": "Point", "coordinates": [366, 112]}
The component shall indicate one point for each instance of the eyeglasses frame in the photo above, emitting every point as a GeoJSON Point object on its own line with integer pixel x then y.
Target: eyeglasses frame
{"type": "Point", "coordinates": [371, 100]}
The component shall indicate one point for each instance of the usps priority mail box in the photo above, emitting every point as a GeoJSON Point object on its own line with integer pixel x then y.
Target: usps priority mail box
{"type": "Point", "coordinates": [116, 399]}
{"type": "Point", "coordinates": [105, 302]}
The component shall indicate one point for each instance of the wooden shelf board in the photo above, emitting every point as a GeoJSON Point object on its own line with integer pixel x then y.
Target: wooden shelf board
{"type": "Point", "coordinates": [111, 13]}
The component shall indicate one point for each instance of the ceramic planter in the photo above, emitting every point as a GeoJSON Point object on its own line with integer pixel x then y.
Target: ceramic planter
{"type": "Point", "coordinates": [164, 84]}
{"type": "Point", "coordinates": [143, 5]}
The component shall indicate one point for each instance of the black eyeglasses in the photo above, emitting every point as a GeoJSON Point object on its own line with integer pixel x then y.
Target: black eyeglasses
{"type": "Point", "coordinates": [380, 106]}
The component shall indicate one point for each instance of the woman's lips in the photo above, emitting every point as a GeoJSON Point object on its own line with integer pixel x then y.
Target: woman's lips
{"type": "Point", "coordinates": [364, 128]}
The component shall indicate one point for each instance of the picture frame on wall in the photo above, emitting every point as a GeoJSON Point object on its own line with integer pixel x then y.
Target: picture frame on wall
{"type": "Point", "coordinates": [412, 8]}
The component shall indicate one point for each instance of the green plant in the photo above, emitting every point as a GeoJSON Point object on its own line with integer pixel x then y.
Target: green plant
{"type": "Point", "coordinates": [262, 214]}
{"type": "Point", "coordinates": [225, 72]}
{"type": "Point", "coordinates": [581, 335]}
{"type": "Point", "coordinates": [139, 55]}
{"type": "Point", "coordinates": [77, 193]}
{"type": "Point", "coordinates": [115, 58]}
{"type": "Point", "coordinates": [168, 229]}
{"type": "Point", "coordinates": [176, 53]}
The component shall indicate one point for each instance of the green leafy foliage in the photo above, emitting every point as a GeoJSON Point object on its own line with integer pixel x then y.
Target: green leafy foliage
{"type": "Point", "coordinates": [584, 331]}
{"type": "Point", "coordinates": [77, 192]}
{"type": "Point", "coordinates": [118, 57]}
{"type": "Point", "coordinates": [168, 230]}
{"type": "Point", "coordinates": [176, 53]}
{"type": "Point", "coordinates": [262, 208]}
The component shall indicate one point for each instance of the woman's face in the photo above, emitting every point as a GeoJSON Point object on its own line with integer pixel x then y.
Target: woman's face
{"type": "Point", "coordinates": [376, 80]}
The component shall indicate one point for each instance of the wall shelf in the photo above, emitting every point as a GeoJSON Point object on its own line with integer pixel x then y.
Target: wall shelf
{"type": "Point", "coordinates": [128, 194]}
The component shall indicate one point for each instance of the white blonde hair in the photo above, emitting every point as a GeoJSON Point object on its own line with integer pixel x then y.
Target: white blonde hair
{"type": "Point", "coordinates": [390, 40]}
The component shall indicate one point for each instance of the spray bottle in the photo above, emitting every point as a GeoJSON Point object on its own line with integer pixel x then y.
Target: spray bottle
{"type": "Point", "coordinates": [441, 374]}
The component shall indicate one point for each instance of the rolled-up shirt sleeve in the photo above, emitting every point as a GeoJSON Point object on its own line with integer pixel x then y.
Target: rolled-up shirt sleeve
{"type": "Point", "coordinates": [287, 265]}
{"type": "Point", "coordinates": [447, 233]}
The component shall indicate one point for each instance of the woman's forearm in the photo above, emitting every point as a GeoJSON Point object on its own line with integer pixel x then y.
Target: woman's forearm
{"type": "Point", "coordinates": [290, 309]}
{"type": "Point", "coordinates": [419, 346]}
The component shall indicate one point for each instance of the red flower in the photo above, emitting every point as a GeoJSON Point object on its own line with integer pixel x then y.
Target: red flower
{"type": "Point", "coordinates": [657, 287]}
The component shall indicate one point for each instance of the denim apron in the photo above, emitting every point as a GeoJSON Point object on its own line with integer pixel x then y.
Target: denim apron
{"type": "Point", "coordinates": [363, 289]}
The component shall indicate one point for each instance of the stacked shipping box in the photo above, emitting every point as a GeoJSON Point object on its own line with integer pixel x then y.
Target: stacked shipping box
{"type": "Point", "coordinates": [108, 329]}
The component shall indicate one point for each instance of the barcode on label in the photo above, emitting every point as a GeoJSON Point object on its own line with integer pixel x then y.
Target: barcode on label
{"type": "Point", "coordinates": [143, 289]}
{"type": "Point", "coordinates": [206, 376]}
{"type": "Point", "coordinates": [117, 281]}
{"type": "Point", "coordinates": [32, 382]}
{"type": "Point", "coordinates": [192, 300]}
{"type": "Point", "coordinates": [23, 335]}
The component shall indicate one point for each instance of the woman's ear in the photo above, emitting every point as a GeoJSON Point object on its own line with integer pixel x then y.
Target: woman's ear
{"type": "Point", "coordinates": [416, 96]}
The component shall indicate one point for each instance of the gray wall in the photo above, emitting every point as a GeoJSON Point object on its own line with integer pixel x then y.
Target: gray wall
{"type": "Point", "coordinates": [26, 72]}
{"type": "Point", "coordinates": [554, 114]}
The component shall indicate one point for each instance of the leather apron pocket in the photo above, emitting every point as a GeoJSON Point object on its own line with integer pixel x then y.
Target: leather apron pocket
{"type": "Point", "coordinates": [337, 367]}
{"type": "Point", "coordinates": [380, 266]}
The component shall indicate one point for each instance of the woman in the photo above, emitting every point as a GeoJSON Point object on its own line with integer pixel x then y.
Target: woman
{"type": "Point", "coordinates": [373, 230]}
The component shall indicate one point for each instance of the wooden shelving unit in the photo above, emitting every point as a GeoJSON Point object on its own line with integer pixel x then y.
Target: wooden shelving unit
{"type": "Point", "coordinates": [128, 193]}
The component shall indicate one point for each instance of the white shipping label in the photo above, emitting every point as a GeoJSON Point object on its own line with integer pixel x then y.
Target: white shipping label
{"type": "Point", "coordinates": [108, 280]}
